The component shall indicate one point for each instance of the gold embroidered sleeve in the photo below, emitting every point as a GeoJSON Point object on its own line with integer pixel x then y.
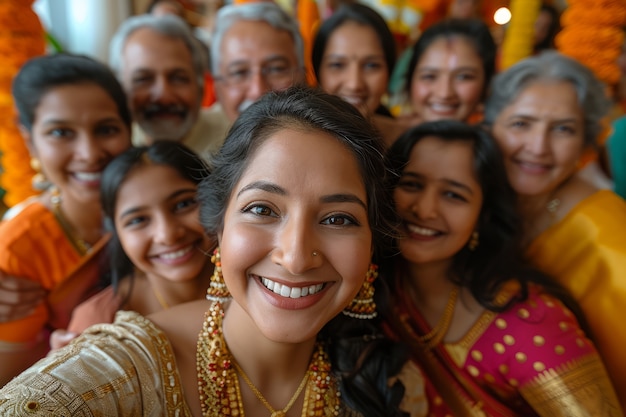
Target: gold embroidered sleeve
{"type": "Point", "coordinates": [577, 389]}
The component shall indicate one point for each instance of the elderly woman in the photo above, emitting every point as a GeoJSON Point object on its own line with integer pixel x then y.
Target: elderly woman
{"type": "Point", "coordinates": [544, 113]}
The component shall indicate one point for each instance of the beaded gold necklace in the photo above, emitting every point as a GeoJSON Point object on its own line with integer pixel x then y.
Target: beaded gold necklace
{"type": "Point", "coordinates": [218, 385]}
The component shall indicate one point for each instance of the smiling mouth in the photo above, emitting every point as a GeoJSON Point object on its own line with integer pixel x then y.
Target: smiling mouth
{"type": "Point", "coordinates": [290, 292]}
{"type": "Point", "coordinates": [177, 254]}
{"type": "Point", "coordinates": [422, 231]}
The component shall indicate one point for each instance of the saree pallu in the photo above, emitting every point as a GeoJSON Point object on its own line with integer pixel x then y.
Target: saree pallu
{"type": "Point", "coordinates": [586, 253]}
{"type": "Point", "coordinates": [530, 360]}
{"type": "Point", "coordinates": [34, 246]}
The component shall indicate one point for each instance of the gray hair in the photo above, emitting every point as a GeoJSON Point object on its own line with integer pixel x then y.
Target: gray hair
{"type": "Point", "coordinates": [167, 25]}
{"type": "Point", "coordinates": [267, 12]}
{"type": "Point", "coordinates": [551, 66]}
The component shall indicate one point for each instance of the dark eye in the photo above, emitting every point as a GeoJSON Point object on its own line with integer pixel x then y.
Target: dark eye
{"type": "Point", "coordinates": [186, 203]}
{"type": "Point", "coordinates": [238, 75]}
{"type": "Point", "coordinates": [336, 65]}
{"type": "Point", "coordinates": [466, 76]}
{"type": "Point", "coordinates": [565, 129]}
{"type": "Point", "coordinates": [426, 77]}
{"type": "Point", "coordinates": [519, 124]}
{"type": "Point", "coordinates": [107, 130]}
{"type": "Point", "coordinates": [410, 185]}
{"type": "Point", "coordinates": [180, 79]}
{"type": "Point", "coordinates": [60, 132]}
{"type": "Point", "coordinates": [276, 70]}
{"type": "Point", "coordinates": [339, 220]}
{"type": "Point", "coordinates": [259, 210]}
{"type": "Point", "coordinates": [373, 66]}
{"type": "Point", "coordinates": [135, 221]}
{"type": "Point", "coordinates": [454, 196]}
{"type": "Point", "coordinates": [141, 80]}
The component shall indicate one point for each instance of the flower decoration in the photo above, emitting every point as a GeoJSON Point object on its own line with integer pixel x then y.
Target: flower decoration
{"type": "Point", "coordinates": [592, 34]}
{"type": "Point", "coordinates": [21, 38]}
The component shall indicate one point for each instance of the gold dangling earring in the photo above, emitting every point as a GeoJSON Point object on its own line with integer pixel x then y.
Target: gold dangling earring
{"type": "Point", "coordinates": [473, 243]}
{"type": "Point", "coordinates": [39, 181]}
{"type": "Point", "coordinates": [217, 290]}
{"type": "Point", "coordinates": [363, 305]}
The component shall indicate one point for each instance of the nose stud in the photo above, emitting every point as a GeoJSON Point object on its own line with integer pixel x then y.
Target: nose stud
{"type": "Point", "coordinates": [314, 253]}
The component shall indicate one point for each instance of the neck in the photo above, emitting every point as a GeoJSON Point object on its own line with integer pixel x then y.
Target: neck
{"type": "Point", "coordinates": [263, 359]}
{"type": "Point", "coordinates": [84, 218]}
{"type": "Point", "coordinates": [173, 293]}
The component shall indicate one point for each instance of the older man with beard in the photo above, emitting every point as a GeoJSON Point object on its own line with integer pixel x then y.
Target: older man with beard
{"type": "Point", "coordinates": [161, 66]}
{"type": "Point", "coordinates": [255, 48]}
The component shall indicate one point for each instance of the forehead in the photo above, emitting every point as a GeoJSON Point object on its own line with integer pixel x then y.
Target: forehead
{"type": "Point", "coordinates": [151, 50]}
{"type": "Point", "coordinates": [306, 160]}
{"type": "Point", "coordinates": [138, 186]}
{"type": "Point", "coordinates": [254, 42]}
{"type": "Point", "coordinates": [547, 98]}
{"type": "Point", "coordinates": [437, 159]}
{"type": "Point", "coordinates": [456, 49]}
{"type": "Point", "coordinates": [352, 36]}
{"type": "Point", "coordinates": [64, 100]}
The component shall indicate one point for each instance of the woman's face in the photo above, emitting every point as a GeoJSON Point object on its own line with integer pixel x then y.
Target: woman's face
{"type": "Point", "coordinates": [77, 131]}
{"type": "Point", "coordinates": [439, 200]}
{"type": "Point", "coordinates": [353, 67]}
{"type": "Point", "coordinates": [296, 242]}
{"type": "Point", "coordinates": [156, 220]}
{"type": "Point", "coordinates": [447, 81]}
{"type": "Point", "coordinates": [541, 135]}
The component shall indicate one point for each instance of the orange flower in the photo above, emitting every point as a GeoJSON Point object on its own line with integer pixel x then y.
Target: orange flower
{"type": "Point", "coordinates": [21, 38]}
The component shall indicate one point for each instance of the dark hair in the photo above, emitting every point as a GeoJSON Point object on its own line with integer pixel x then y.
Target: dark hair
{"type": "Point", "coordinates": [499, 256]}
{"type": "Point", "coordinates": [475, 31]}
{"type": "Point", "coordinates": [553, 29]}
{"type": "Point", "coordinates": [155, 3]}
{"type": "Point", "coordinates": [365, 367]}
{"type": "Point", "coordinates": [40, 75]}
{"type": "Point", "coordinates": [364, 15]}
{"type": "Point", "coordinates": [168, 153]}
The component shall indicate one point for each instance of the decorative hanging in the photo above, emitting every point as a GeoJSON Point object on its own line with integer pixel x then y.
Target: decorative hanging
{"type": "Point", "coordinates": [519, 36]}
{"type": "Point", "coordinates": [21, 37]}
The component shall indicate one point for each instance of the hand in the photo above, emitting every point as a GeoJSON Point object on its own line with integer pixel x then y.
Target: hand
{"type": "Point", "coordinates": [18, 297]}
{"type": "Point", "coordinates": [60, 338]}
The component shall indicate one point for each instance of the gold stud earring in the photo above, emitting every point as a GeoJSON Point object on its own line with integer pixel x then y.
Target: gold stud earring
{"type": "Point", "coordinates": [39, 181]}
{"type": "Point", "coordinates": [363, 305]}
{"type": "Point", "coordinates": [217, 290]}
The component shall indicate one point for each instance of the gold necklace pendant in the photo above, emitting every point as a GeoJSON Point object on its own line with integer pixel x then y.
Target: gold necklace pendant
{"type": "Point", "coordinates": [218, 384]}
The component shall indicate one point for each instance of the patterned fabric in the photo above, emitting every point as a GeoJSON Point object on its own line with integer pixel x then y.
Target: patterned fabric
{"type": "Point", "coordinates": [35, 247]}
{"type": "Point", "coordinates": [586, 253]}
{"type": "Point", "coordinates": [530, 360]}
{"type": "Point", "coordinates": [122, 369]}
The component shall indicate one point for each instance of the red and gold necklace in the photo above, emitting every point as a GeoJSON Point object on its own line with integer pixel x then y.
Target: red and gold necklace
{"type": "Point", "coordinates": [218, 384]}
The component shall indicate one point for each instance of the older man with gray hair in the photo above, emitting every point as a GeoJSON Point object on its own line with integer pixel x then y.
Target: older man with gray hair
{"type": "Point", "coordinates": [161, 66]}
{"type": "Point", "coordinates": [255, 48]}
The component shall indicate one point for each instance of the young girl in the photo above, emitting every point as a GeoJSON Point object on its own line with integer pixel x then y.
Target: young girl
{"type": "Point", "coordinates": [493, 336]}
{"type": "Point", "coordinates": [158, 249]}
{"type": "Point", "coordinates": [297, 201]}
{"type": "Point", "coordinates": [73, 115]}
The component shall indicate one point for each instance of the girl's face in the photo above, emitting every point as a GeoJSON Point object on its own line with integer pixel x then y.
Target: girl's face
{"type": "Point", "coordinates": [439, 200]}
{"type": "Point", "coordinates": [354, 68]}
{"type": "Point", "coordinates": [156, 219]}
{"type": "Point", "coordinates": [541, 134]}
{"type": "Point", "coordinates": [296, 242]}
{"type": "Point", "coordinates": [448, 80]}
{"type": "Point", "coordinates": [77, 131]}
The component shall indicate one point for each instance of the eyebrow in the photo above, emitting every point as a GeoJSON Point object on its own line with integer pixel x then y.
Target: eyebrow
{"type": "Point", "coordinates": [62, 121]}
{"type": "Point", "coordinates": [270, 60]}
{"type": "Point", "coordinates": [172, 196]}
{"type": "Point", "coordinates": [531, 117]}
{"type": "Point", "coordinates": [448, 181]}
{"type": "Point", "coordinates": [275, 189]}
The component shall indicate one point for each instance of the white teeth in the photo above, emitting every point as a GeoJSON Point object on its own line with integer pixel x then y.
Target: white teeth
{"type": "Point", "coordinates": [174, 255]}
{"type": "Point", "coordinates": [88, 176]}
{"type": "Point", "coordinates": [421, 230]}
{"type": "Point", "coordinates": [288, 292]}
{"type": "Point", "coordinates": [442, 107]}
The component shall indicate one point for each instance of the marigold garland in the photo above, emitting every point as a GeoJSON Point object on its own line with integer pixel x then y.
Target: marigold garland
{"type": "Point", "coordinates": [518, 39]}
{"type": "Point", "coordinates": [592, 34]}
{"type": "Point", "coordinates": [21, 38]}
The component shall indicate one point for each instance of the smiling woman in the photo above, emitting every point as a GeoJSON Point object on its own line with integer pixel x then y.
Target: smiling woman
{"type": "Point", "coordinates": [73, 115]}
{"type": "Point", "coordinates": [297, 201]}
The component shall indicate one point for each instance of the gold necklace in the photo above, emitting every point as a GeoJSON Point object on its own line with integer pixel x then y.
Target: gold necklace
{"type": "Point", "coordinates": [218, 384]}
{"type": "Point", "coordinates": [552, 206]}
{"type": "Point", "coordinates": [159, 297]}
{"type": "Point", "coordinates": [81, 246]}
{"type": "Point", "coordinates": [255, 390]}
{"type": "Point", "coordinates": [436, 334]}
